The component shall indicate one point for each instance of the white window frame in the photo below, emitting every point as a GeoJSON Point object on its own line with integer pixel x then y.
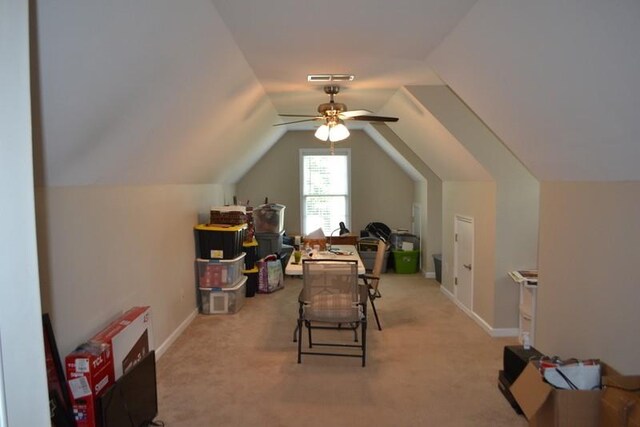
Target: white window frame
{"type": "Point", "coordinates": [323, 152]}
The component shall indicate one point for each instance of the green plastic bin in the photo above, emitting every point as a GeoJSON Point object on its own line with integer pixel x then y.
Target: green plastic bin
{"type": "Point", "coordinates": [406, 261]}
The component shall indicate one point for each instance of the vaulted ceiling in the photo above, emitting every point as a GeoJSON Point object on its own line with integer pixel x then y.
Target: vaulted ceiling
{"type": "Point", "coordinates": [165, 92]}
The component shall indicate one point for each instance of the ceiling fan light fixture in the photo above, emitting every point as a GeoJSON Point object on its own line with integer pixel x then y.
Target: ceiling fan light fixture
{"type": "Point", "coordinates": [322, 133]}
{"type": "Point", "coordinates": [338, 133]}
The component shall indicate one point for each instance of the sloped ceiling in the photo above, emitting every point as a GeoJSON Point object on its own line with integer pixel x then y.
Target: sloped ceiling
{"type": "Point", "coordinates": [431, 141]}
{"type": "Point", "coordinates": [557, 81]}
{"type": "Point", "coordinates": [158, 91]}
{"type": "Point", "coordinates": [146, 92]}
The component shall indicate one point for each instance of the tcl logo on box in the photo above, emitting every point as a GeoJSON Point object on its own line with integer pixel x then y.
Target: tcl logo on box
{"type": "Point", "coordinates": [89, 372]}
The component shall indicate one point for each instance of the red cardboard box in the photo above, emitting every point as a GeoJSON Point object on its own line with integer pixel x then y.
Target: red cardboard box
{"type": "Point", "coordinates": [130, 337]}
{"type": "Point", "coordinates": [89, 371]}
{"type": "Point", "coordinates": [97, 364]}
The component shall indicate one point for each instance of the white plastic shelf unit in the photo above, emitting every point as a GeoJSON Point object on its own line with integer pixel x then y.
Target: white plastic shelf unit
{"type": "Point", "coordinates": [527, 280]}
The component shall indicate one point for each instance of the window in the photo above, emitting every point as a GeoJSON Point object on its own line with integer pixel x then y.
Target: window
{"type": "Point", "coordinates": [325, 187]}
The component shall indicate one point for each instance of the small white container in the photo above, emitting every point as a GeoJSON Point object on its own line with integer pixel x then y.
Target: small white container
{"type": "Point", "coordinates": [223, 300]}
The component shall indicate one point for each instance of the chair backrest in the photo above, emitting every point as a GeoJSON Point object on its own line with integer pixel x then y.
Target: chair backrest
{"type": "Point", "coordinates": [329, 277]}
{"type": "Point", "coordinates": [378, 264]}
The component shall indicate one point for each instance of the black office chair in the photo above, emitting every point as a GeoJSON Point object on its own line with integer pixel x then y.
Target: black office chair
{"type": "Point", "coordinates": [331, 298]}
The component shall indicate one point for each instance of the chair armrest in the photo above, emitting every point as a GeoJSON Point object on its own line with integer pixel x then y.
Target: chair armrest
{"type": "Point", "coordinates": [366, 277]}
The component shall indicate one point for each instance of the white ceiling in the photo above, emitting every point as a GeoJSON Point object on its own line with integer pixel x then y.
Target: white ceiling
{"type": "Point", "coordinates": [158, 91]}
{"type": "Point", "coordinates": [383, 43]}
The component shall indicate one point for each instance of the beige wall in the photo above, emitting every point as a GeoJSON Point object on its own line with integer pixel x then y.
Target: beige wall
{"type": "Point", "coordinates": [476, 200]}
{"type": "Point", "coordinates": [106, 249]}
{"type": "Point", "coordinates": [429, 196]}
{"type": "Point", "coordinates": [381, 191]}
{"type": "Point", "coordinates": [427, 193]}
{"type": "Point", "coordinates": [588, 286]}
{"type": "Point", "coordinates": [517, 196]}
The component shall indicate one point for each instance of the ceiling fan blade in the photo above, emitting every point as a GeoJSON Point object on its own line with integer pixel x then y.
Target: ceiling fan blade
{"type": "Point", "coordinates": [296, 121]}
{"type": "Point", "coordinates": [354, 113]}
{"type": "Point", "coordinates": [299, 115]}
{"type": "Point", "coordinates": [375, 118]}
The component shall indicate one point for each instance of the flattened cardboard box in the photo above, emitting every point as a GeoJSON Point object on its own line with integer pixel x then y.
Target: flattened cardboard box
{"type": "Point", "coordinates": [130, 337]}
{"type": "Point", "coordinates": [546, 406]}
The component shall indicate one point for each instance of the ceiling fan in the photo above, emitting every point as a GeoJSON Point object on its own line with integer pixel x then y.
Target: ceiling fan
{"type": "Point", "coordinates": [332, 115]}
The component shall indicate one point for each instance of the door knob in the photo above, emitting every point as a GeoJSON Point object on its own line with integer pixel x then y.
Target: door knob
{"type": "Point", "coordinates": [467, 266]}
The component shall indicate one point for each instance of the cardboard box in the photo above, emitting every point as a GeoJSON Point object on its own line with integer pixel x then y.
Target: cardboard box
{"type": "Point", "coordinates": [89, 370]}
{"type": "Point", "coordinates": [98, 363]}
{"type": "Point", "coordinates": [620, 402]}
{"type": "Point", "coordinates": [130, 337]}
{"type": "Point", "coordinates": [546, 406]}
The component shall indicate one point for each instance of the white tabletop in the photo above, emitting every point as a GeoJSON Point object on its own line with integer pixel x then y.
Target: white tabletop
{"type": "Point", "coordinates": [294, 269]}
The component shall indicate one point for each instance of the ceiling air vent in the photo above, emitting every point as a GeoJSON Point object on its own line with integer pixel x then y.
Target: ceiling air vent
{"type": "Point", "coordinates": [323, 78]}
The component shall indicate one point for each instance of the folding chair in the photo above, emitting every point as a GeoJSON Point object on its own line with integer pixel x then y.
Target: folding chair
{"type": "Point", "coordinates": [373, 280]}
{"type": "Point", "coordinates": [331, 298]}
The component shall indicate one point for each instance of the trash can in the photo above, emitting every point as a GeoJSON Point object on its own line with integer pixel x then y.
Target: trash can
{"type": "Point", "coordinates": [437, 262]}
{"type": "Point", "coordinates": [406, 262]}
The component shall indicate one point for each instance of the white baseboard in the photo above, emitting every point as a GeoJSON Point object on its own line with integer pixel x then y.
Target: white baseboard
{"type": "Point", "coordinates": [493, 332]}
{"type": "Point", "coordinates": [448, 294]}
{"type": "Point", "coordinates": [175, 334]}
{"type": "Point", "coordinates": [430, 274]}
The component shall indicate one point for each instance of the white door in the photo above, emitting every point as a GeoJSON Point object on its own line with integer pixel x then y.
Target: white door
{"type": "Point", "coordinates": [463, 261]}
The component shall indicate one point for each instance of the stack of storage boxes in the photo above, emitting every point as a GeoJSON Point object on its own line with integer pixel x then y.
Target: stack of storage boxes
{"type": "Point", "coordinates": [220, 263]}
{"type": "Point", "coordinates": [406, 252]}
{"type": "Point", "coordinates": [268, 221]}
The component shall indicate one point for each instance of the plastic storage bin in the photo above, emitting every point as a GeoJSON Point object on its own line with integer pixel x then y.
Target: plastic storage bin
{"type": "Point", "coordinates": [223, 300]}
{"type": "Point", "coordinates": [269, 218]}
{"type": "Point", "coordinates": [368, 249]}
{"type": "Point", "coordinates": [406, 262]}
{"type": "Point", "coordinates": [269, 243]}
{"type": "Point", "coordinates": [219, 273]}
{"type": "Point", "coordinates": [368, 244]}
{"type": "Point", "coordinates": [397, 239]}
{"type": "Point", "coordinates": [219, 242]}
{"type": "Point", "coordinates": [369, 259]}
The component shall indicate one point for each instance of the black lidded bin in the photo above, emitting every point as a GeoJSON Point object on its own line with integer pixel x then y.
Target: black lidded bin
{"type": "Point", "coordinates": [252, 281]}
{"type": "Point", "coordinates": [218, 241]}
{"type": "Point", "coordinates": [251, 251]}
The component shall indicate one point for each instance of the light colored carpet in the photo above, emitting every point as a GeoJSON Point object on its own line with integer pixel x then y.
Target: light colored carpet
{"type": "Point", "coordinates": [431, 365]}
